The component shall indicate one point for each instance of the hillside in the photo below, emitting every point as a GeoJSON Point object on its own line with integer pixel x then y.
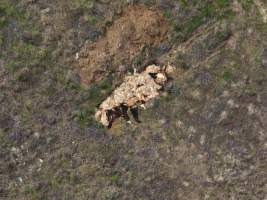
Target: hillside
{"type": "Point", "coordinates": [203, 138]}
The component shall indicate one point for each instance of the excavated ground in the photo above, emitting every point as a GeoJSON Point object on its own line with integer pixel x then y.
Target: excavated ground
{"type": "Point", "coordinates": [137, 28]}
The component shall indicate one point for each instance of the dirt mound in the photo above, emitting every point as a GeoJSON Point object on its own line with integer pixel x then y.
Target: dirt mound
{"type": "Point", "coordinates": [138, 27]}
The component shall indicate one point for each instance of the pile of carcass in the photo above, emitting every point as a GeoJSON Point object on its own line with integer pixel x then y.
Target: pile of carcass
{"type": "Point", "coordinates": [135, 91]}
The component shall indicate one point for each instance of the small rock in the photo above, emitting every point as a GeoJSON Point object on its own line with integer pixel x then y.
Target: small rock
{"type": "Point", "coordinates": [191, 129]}
{"type": "Point", "coordinates": [209, 180]}
{"type": "Point", "coordinates": [196, 95]}
{"type": "Point", "coordinates": [164, 137]}
{"type": "Point", "coordinates": [77, 56]}
{"type": "Point", "coordinates": [218, 178]}
{"type": "Point", "coordinates": [202, 139]}
{"type": "Point", "coordinates": [251, 109]}
{"type": "Point", "coordinates": [223, 116]}
{"type": "Point", "coordinates": [231, 103]}
{"type": "Point", "coordinates": [191, 111]}
{"type": "Point", "coordinates": [231, 132]}
{"type": "Point", "coordinates": [162, 121]}
{"type": "Point", "coordinates": [45, 11]}
{"type": "Point", "coordinates": [147, 179]}
{"type": "Point", "coordinates": [179, 124]}
{"type": "Point", "coordinates": [186, 184]}
{"type": "Point", "coordinates": [225, 93]}
{"type": "Point", "coordinates": [36, 135]}
{"type": "Point", "coordinates": [15, 150]}
{"type": "Point", "coordinates": [250, 30]}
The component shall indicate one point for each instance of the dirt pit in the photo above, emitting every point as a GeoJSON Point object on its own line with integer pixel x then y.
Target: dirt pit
{"type": "Point", "coordinates": [137, 28]}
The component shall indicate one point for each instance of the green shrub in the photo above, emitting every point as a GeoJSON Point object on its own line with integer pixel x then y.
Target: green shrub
{"type": "Point", "coordinates": [84, 4]}
{"type": "Point", "coordinates": [227, 76]}
{"type": "Point", "coordinates": [246, 4]}
{"type": "Point", "coordinates": [223, 3]}
{"type": "Point", "coordinates": [115, 178]}
{"type": "Point", "coordinates": [6, 11]}
{"type": "Point", "coordinates": [26, 55]}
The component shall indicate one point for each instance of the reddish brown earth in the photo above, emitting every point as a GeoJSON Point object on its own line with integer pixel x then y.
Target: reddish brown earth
{"type": "Point", "coordinates": [137, 28]}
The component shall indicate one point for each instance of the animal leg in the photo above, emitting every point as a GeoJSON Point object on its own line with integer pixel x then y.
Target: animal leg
{"type": "Point", "coordinates": [125, 115]}
{"type": "Point", "coordinates": [134, 111]}
{"type": "Point", "coordinates": [110, 125]}
{"type": "Point", "coordinates": [112, 116]}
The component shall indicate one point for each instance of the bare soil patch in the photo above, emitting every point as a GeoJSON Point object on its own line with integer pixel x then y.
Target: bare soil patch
{"type": "Point", "coordinates": [137, 28]}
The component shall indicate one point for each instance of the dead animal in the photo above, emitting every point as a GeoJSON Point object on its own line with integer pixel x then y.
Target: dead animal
{"type": "Point", "coordinates": [135, 91]}
{"type": "Point", "coordinates": [121, 111]}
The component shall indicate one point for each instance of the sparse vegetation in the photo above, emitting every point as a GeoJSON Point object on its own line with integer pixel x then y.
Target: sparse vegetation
{"type": "Point", "coordinates": [246, 4]}
{"type": "Point", "coordinates": [7, 11]}
{"type": "Point", "coordinates": [26, 55]}
{"type": "Point", "coordinates": [84, 4]}
{"type": "Point", "coordinates": [207, 130]}
{"type": "Point", "coordinates": [227, 76]}
{"type": "Point", "coordinates": [115, 178]}
{"type": "Point", "coordinates": [206, 12]}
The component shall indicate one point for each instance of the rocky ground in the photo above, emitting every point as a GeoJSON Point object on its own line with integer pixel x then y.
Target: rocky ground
{"type": "Point", "coordinates": [204, 138]}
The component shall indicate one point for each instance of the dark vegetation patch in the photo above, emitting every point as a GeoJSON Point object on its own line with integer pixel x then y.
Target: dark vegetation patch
{"type": "Point", "coordinates": [190, 15]}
